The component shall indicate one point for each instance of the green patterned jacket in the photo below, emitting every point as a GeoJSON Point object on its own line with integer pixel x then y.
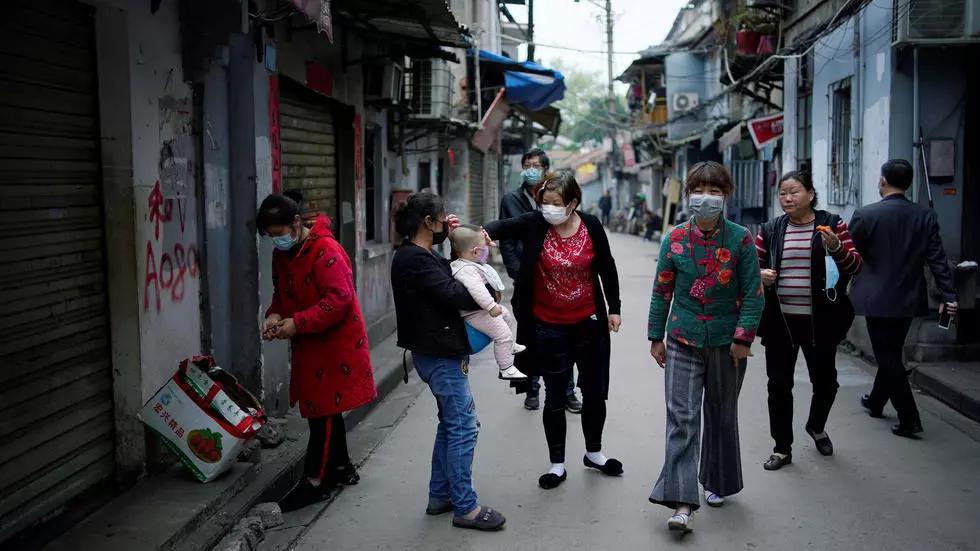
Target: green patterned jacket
{"type": "Point", "coordinates": [718, 298]}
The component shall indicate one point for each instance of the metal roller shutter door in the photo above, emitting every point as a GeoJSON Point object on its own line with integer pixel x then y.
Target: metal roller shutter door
{"type": "Point", "coordinates": [309, 151]}
{"type": "Point", "coordinates": [56, 420]}
{"type": "Point", "coordinates": [476, 187]}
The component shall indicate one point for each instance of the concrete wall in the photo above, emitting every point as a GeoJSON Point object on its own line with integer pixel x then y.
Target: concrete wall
{"type": "Point", "coordinates": [685, 74]}
{"type": "Point", "coordinates": [833, 61]}
{"type": "Point", "coordinates": [275, 354]}
{"type": "Point", "coordinates": [166, 209]}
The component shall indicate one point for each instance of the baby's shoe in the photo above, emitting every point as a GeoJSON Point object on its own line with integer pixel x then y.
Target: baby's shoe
{"type": "Point", "coordinates": [511, 373]}
{"type": "Point", "coordinates": [518, 348]}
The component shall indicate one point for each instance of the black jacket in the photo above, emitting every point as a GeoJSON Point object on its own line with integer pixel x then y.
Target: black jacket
{"type": "Point", "coordinates": [513, 204]}
{"type": "Point", "coordinates": [530, 229]}
{"type": "Point", "coordinates": [427, 303]}
{"type": "Point", "coordinates": [897, 239]}
{"type": "Point", "coordinates": [830, 320]}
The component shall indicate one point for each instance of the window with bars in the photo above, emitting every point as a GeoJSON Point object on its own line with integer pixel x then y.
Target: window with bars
{"type": "Point", "coordinates": [804, 113]}
{"type": "Point", "coordinates": [840, 143]}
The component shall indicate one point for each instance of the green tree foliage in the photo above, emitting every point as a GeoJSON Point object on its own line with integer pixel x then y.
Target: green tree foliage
{"type": "Point", "coordinates": [585, 109]}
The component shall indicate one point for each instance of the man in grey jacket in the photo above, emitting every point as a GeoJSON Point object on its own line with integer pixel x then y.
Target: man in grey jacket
{"type": "Point", "coordinates": [897, 239]}
{"type": "Point", "coordinates": [534, 164]}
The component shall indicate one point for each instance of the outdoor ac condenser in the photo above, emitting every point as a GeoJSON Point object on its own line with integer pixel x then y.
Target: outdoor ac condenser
{"type": "Point", "coordinates": [430, 89]}
{"type": "Point", "coordinates": [684, 102]}
{"type": "Point", "coordinates": [935, 22]}
{"type": "Point", "coordinates": [383, 82]}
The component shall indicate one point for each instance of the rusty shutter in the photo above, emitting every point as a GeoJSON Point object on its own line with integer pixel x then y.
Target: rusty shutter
{"type": "Point", "coordinates": [309, 151]}
{"type": "Point", "coordinates": [476, 192]}
{"type": "Point", "coordinates": [56, 420]}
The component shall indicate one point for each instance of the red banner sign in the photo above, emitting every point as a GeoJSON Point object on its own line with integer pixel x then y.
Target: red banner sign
{"type": "Point", "coordinates": [765, 130]}
{"type": "Point", "coordinates": [275, 143]}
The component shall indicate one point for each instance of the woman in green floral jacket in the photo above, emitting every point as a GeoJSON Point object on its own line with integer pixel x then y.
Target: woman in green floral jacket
{"type": "Point", "coordinates": [709, 286]}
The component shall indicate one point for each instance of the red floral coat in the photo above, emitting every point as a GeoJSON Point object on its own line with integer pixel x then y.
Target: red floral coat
{"type": "Point", "coordinates": [331, 359]}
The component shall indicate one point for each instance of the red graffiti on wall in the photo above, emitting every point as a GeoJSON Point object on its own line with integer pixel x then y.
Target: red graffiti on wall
{"type": "Point", "coordinates": [168, 272]}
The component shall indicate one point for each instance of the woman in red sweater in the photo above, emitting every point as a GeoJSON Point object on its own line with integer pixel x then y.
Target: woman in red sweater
{"type": "Point", "coordinates": [564, 318]}
{"type": "Point", "coordinates": [314, 306]}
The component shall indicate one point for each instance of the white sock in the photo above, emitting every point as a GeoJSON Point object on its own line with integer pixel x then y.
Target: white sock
{"type": "Point", "coordinates": [596, 457]}
{"type": "Point", "coordinates": [557, 469]}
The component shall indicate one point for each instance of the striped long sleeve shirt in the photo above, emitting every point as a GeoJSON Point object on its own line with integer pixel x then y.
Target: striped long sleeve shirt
{"type": "Point", "coordinates": [794, 281]}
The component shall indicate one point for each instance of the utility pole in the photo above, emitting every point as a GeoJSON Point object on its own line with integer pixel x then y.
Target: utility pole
{"type": "Point", "coordinates": [609, 55]}
{"type": "Point", "coordinates": [613, 155]}
{"type": "Point", "coordinates": [530, 30]}
{"type": "Point", "coordinates": [528, 125]}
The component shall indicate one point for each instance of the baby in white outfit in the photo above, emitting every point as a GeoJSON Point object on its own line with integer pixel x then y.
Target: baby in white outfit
{"type": "Point", "coordinates": [495, 321]}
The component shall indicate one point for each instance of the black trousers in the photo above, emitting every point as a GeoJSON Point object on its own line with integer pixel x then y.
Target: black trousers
{"type": "Point", "coordinates": [327, 450]}
{"type": "Point", "coordinates": [781, 366]}
{"type": "Point", "coordinates": [891, 382]}
{"type": "Point", "coordinates": [559, 348]}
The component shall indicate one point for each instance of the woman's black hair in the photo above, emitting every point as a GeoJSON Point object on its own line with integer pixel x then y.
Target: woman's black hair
{"type": "Point", "coordinates": [804, 179]}
{"type": "Point", "coordinates": [279, 209]}
{"type": "Point", "coordinates": [412, 213]}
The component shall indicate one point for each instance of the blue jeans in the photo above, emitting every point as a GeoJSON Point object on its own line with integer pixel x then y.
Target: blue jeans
{"type": "Point", "coordinates": [452, 454]}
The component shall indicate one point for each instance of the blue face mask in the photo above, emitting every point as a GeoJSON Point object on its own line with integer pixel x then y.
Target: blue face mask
{"type": "Point", "coordinates": [832, 277]}
{"type": "Point", "coordinates": [284, 242]}
{"type": "Point", "coordinates": [532, 175]}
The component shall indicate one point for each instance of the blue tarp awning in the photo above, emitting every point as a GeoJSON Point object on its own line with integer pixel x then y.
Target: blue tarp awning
{"type": "Point", "coordinates": [527, 84]}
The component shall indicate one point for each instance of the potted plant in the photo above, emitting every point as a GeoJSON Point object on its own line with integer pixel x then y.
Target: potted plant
{"type": "Point", "coordinates": [746, 35]}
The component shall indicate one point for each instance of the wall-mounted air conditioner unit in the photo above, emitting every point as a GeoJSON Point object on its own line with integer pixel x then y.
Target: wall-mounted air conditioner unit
{"type": "Point", "coordinates": [429, 89]}
{"type": "Point", "coordinates": [684, 102]}
{"type": "Point", "coordinates": [383, 82]}
{"type": "Point", "coordinates": [935, 21]}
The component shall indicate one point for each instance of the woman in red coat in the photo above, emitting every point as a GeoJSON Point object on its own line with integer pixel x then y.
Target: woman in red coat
{"type": "Point", "coordinates": [314, 305]}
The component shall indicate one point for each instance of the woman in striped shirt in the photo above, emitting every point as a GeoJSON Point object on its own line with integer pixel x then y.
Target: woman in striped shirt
{"type": "Point", "coordinates": [801, 253]}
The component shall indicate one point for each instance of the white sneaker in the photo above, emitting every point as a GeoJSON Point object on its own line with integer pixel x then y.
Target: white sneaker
{"type": "Point", "coordinates": [518, 348]}
{"type": "Point", "coordinates": [511, 373]}
{"type": "Point", "coordinates": [713, 499]}
{"type": "Point", "coordinates": [681, 522]}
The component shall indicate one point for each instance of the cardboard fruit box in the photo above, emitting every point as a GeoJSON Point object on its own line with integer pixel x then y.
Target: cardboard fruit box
{"type": "Point", "coordinates": [204, 416]}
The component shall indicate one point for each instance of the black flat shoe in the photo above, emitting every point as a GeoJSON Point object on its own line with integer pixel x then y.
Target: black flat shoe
{"type": "Point", "coordinates": [612, 467]}
{"type": "Point", "coordinates": [776, 462]}
{"type": "Point", "coordinates": [911, 431]}
{"type": "Point", "coordinates": [866, 404]}
{"type": "Point", "coordinates": [346, 475]}
{"type": "Point", "coordinates": [824, 445]}
{"type": "Point", "coordinates": [304, 495]}
{"type": "Point", "coordinates": [550, 481]}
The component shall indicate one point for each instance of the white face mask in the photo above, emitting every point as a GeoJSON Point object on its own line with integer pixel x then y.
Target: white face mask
{"type": "Point", "coordinates": [704, 206]}
{"type": "Point", "coordinates": [555, 215]}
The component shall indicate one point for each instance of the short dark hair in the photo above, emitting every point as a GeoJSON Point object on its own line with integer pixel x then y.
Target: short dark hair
{"type": "Point", "coordinates": [540, 154]}
{"type": "Point", "coordinates": [898, 173]}
{"type": "Point", "coordinates": [278, 209]}
{"type": "Point", "coordinates": [803, 178]}
{"type": "Point", "coordinates": [709, 173]}
{"type": "Point", "coordinates": [412, 213]}
{"type": "Point", "coordinates": [561, 182]}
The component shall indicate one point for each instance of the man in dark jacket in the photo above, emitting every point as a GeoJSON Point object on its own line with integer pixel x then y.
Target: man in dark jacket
{"type": "Point", "coordinates": [534, 164]}
{"type": "Point", "coordinates": [605, 207]}
{"type": "Point", "coordinates": [897, 239]}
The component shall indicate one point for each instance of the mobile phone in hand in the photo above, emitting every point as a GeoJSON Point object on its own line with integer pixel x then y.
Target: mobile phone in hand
{"type": "Point", "coordinates": [945, 319]}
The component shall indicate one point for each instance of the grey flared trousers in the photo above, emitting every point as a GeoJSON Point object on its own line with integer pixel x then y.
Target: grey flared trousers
{"type": "Point", "coordinates": [693, 376]}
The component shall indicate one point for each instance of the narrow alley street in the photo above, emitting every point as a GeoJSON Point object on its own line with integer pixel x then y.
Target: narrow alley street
{"type": "Point", "coordinates": [877, 492]}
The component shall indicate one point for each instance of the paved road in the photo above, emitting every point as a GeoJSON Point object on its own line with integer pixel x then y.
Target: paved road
{"type": "Point", "coordinates": [878, 492]}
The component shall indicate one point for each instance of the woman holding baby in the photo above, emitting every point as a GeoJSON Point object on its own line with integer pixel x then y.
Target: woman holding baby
{"type": "Point", "coordinates": [570, 303]}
